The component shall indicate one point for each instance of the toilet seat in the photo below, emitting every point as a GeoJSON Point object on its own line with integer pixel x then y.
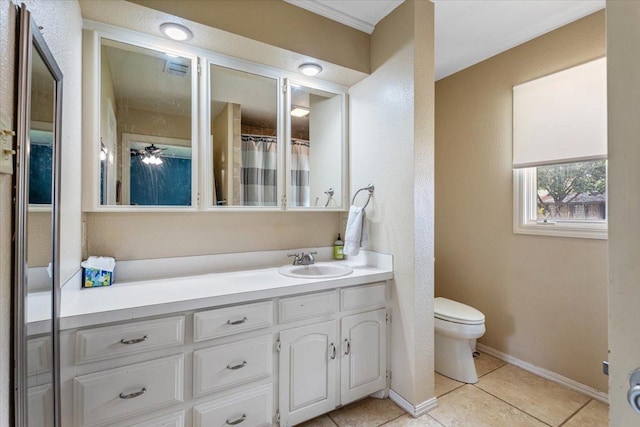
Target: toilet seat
{"type": "Point", "coordinates": [456, 312]}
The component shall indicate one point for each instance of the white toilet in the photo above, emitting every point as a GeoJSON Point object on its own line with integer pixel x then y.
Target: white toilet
{"type": "Point", "coordinates": [457, 326]}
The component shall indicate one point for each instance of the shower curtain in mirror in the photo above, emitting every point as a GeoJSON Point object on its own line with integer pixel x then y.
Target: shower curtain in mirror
{"type": "Point", "coordinates": [300, 193]}
{"type": "Point", "coordinates": [258, 174]}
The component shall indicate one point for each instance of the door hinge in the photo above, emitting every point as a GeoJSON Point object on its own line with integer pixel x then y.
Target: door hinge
{"type": "Point", "coordinates": [284, 201]}
{"type": "Point", "coordinates": [284, 87]}
{"type": "Point", "coordinates": [278, 346]}
{"type": "Point", "coordinates": [389, 376]}
{"type": "Point", "coordinates": [278, 417]}
{"type": "Point", "coordinates": [198, 199]}
{"type": "Point", "coordinates": [199, 67]}
{"type": "Point", "coordinates": [388, 318]}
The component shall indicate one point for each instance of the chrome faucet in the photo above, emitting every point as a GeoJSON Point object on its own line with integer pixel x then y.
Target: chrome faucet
{"type": "Point", "coordinates": [303, 258]}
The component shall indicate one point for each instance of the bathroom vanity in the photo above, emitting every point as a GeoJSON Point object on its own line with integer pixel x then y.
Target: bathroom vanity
{"type": "Point", "coordinates": [250, 348]}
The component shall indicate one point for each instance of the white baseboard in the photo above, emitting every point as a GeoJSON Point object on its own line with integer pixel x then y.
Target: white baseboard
{"type": "Point", "coordinates": [414, 411]}
{"type": "Point", "coordinates": [544, 373]}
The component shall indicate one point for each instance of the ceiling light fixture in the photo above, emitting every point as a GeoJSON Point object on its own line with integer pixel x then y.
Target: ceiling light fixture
{"type": "Point", "coordinates": [176, 31]}
{"type": "Point", "coordinates": [152, 159]}
{"type": "Point", "coordinates": [299, 111]}
{"type": "Point", "coordinates": [310, 69]}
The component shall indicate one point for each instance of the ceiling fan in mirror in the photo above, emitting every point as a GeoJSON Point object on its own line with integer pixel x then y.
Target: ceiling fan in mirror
{"type": "Point", "coordinates": [149, 155]}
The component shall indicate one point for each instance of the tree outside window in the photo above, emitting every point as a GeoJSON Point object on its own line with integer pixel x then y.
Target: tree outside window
{"type": "Point", "coordinates": [572, 191]}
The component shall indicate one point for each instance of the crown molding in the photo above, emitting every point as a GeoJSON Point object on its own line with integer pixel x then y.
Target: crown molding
{"type": "Point", "coordinates": [335, 15]}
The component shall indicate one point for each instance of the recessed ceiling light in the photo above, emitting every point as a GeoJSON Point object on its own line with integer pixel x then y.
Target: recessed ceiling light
{"type": "Point", "coordinates": [176, 31]}
{"type": "Point", "coordinates": [299, 111]}
{"type": "Point", "coordinates": [310, 69]}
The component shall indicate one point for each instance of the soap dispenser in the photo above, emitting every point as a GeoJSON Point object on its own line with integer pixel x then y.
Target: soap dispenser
{"type": "Point", "coordinates": [338, 248]}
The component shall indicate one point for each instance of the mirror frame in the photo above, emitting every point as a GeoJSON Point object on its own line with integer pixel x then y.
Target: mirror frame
{"type": "Point", "coordinates": [337, 90]}
{"type": "Point", "coordinates": [92, 35]}
{"type": "Point", "coordinates": [30, 37]}
{"type": "Point", "coordinates": [202, 169]}
{"type": "Point", "coordinates": [209, 59]}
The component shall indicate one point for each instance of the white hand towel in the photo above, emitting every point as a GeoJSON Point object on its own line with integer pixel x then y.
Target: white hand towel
{"type": "Point", "coordinates": [356, 234]}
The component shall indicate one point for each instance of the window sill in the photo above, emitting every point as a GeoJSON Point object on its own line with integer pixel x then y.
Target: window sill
{"type": "Point", "coordinates": [586, 231]}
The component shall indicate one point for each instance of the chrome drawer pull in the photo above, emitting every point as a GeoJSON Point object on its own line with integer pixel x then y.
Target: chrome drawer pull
{"type": "Point", "coordinates": [134, 394]}
{"type": "Point", "coordinates": [237, 322]}
{"type": "Point", "coordinates": [238, 421]}
{"type": "Point", "coordinates": [134, 341]}
{"type": "Point", "coordinates": [238, 366]}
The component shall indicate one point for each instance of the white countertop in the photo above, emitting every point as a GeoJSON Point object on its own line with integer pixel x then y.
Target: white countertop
{"type": "Point", "coordinates": [39, 313]}
{"type": "Point", "coordinates": [143, 298]}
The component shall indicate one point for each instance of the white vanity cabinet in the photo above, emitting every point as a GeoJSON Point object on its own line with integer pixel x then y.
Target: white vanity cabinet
{"type": "Point", "coordinates": [363, 357]}
{"type": "Point", "coordinates": [257, 363]}
{"type": "Point", "coordinates": [334, 362]}
{"type": "Point", "coordinates": [308, 372]}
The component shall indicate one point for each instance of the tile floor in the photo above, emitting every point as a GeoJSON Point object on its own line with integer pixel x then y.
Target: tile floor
{"type": "Point", "coordinates": [505, 396]}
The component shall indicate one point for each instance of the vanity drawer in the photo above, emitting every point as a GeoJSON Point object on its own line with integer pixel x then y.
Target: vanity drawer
{"type": "Point", "coordinates": [369, 296]}
{"type": "Point", "coordinates": [107, 396]}
{"type": "Point", "coordinates": [231, 320]}
{"type": "Point", "coordinates": [307, 306]}
{"type": "Point", "coordinates": [119, 340]}
{"type": "Point", "coordinates": [172, 420]}
{"type": "Point", "coordinates": [248, 408]}
{"type": "Point", "coordinates": [228, 365]}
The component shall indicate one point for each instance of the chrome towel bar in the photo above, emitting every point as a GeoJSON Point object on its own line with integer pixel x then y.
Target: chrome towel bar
{"type": "Point", "coordinates": [370, 188]}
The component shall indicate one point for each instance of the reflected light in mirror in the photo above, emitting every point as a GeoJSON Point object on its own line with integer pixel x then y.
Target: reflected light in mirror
{"type": "Point", "coordinates": [297, 111]}
{"type": "Point", "coordinates": [176, 31]}
{"type": "Point", "coordinates": [151, 160]}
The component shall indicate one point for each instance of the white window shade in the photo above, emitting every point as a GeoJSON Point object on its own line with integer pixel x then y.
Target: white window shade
{"type": "Point", "coordinates": [562, 117]}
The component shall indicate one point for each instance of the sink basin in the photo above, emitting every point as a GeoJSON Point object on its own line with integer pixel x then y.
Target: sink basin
{"type": "Point", "coordinates": [319, 270]}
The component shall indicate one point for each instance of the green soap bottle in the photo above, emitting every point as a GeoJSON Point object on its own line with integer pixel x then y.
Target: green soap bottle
{"type": "Point", "coordinates": [338, 248]}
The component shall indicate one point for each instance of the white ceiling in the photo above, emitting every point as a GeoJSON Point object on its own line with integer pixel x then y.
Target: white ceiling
{"type": "Point", "coordinates": [466, 31]}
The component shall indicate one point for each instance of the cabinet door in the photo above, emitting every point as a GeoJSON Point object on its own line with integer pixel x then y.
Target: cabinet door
{"type": "Point", "coordinates": [308, 372]}
{"type": "Point", "coordinates": [364, 354]}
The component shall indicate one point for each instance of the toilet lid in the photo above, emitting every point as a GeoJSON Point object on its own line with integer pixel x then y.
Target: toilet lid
{"type": "Point", "coordinates": [453, 311]}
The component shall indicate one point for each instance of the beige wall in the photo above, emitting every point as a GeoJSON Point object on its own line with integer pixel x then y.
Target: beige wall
{"type": "Point", "coordinates": [275, 22]}
{"type": "Point", "coordinates": [39, 239]}
{"type": "Point", "coordinates": [623, 68]}
{"type": "Point", "coordinates": [143, 122]}
{"type": "Point", "coordinates": [545, 298]}
{"type": "Point", "coordinates": [142, 235]}
{"type": "Point", "coordinates": [391, 146]}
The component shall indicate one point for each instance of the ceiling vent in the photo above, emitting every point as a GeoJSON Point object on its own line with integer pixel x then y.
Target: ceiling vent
{"type": "Point", "coordinates": [176, 67]}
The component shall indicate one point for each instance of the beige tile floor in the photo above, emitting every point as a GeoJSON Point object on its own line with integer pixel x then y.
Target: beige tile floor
{"type": "Point", "coordinates": [505, 396]}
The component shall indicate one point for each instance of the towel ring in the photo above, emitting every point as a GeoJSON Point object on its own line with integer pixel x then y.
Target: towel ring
{"type": "Point", "coordinates": [370, 188]}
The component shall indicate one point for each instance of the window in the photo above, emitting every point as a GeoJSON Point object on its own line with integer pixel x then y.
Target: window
{"type": "Point", "coordinates": [568, 200]}
{"type": "Point", "coordinates": [559, 153]}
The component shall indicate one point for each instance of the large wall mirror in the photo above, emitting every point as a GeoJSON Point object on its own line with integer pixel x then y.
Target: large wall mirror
{"type": "Point", "coordinates": [244, 138]}
{"type": "Point", "coordinates": [146, 155]}
{"type": "Point", "coordinates": [143, 126]}
{"type": "Point", "coordinates": [173, 127]}
{"type": "Point", "coordinates": [317, 148]}
{"type": "Point", "coordinates": [37, 281]}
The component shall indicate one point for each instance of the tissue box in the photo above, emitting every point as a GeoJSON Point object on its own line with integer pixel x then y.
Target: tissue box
{"type": "Point", "coordinates": [93, 277]}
